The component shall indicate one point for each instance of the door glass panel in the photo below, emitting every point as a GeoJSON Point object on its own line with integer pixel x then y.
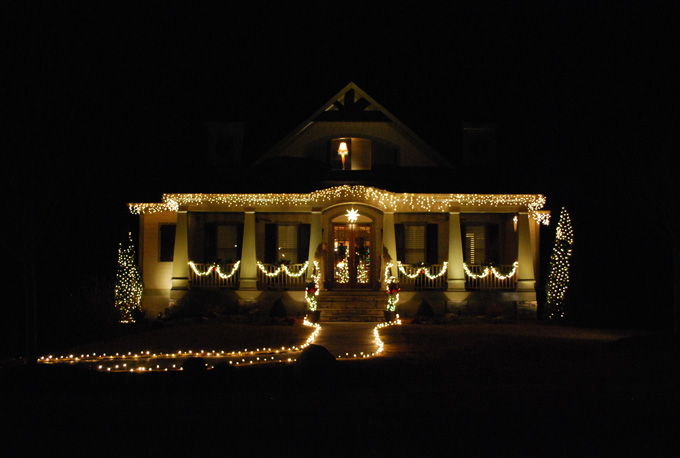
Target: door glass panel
{"type": "Point", "coordinates": [363, 255]}
{"type": "Point", "coordinates": [341, 245]}
{"type": "Point", "coordinates": [352, 255]}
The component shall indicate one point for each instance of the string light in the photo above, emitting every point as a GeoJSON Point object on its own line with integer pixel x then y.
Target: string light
{"type": "Point", "coordinates": [558, 278]}
{"type": "Point", "coordinates": [392, 288]}
{"type": "Point", "coordinates": [312, 290]}
{"type": "Point", "coordinates": [283, 268]}
{"type": "Point", "coordinates": [215, 268]}
{"type": "Point", "coordinates": [384, 200]}
{"type": "Point", "coordinates": [121, 362]}
{"type": "Point", "coordinates": [424, 271]}
{"type": "Point", "coordinates": [128, 289]}
{"type": "Point", "coordinates": [491, 270]}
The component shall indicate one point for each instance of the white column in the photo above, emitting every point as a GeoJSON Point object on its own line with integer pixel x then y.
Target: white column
{"type": "Point", "coordinates": [248, 267]}
{"type": "Point", "coordinates": [390, 243]}
{"type": "Point", "coordinates": [315, 239]}
{"type": "Point", "coordinates": [525, 256]}
{"type": "Point", "coordinates": [455, 278]}
{"type": "Point", "coordinates": [180, 257]}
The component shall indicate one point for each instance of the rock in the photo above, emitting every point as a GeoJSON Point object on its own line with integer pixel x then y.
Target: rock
{"type": "Point", "coordinates": [316, 357]}
{"type": "Point", "coordinates": [194, 365]}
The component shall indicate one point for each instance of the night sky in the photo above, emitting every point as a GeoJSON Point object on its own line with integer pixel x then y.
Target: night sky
{"type": "Point", "coordinates": [109, 103]}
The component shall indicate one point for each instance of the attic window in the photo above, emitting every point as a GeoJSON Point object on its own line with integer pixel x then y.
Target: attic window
{"type": "Point", "coordinates": [351, 153]}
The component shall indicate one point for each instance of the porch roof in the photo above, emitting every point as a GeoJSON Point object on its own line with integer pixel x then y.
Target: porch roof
{"type": "Point", "coordinates": [324, 198]}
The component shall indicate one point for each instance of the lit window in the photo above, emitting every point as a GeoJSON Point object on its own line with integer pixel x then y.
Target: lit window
{"type": "Point", "coordinates": [350, 153]}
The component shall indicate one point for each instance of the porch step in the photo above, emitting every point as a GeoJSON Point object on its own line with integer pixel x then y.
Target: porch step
{"type": "Point", "coordinates": [352, 305]}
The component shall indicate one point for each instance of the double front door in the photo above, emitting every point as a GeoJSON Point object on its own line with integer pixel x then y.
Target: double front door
{"type": "Point", "coordinates": [352, 257]}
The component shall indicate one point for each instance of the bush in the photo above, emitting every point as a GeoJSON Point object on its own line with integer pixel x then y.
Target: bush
{"type": "Point", "coordinates": [425, 313]}
{"type": "Point", "coordinates": [278, 310]}
{"type": "Point", "coordinates": [204, 303]}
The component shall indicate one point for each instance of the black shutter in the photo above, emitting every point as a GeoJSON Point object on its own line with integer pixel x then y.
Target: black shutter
{"type": "Point", "coordinates": [270, 243]}
{"type": "Point", "coordinates": [401, 242]}
{"type": "Point", "coordinates": [303, 242]}
{"type": "Point", "coordinates": [210, 242]}
{"type": "Point", "coordinates": [432, 244]}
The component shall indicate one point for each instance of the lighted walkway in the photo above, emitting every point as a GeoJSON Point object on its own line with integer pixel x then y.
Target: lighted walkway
{"type": "Point", "coordinates": [341, 338]}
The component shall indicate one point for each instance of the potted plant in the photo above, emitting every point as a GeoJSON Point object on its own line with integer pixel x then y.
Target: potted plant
{"type": "Point", "coordinates": [311, 291]}
{"type": "Point", "coordinates": [392, 299]}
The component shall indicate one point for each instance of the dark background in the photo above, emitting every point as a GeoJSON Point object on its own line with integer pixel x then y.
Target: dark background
{"type": "Point", "coordinates": [108, 105]}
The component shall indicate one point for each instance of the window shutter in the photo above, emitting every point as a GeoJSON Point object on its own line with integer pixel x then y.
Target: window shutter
{"type": "Point", "coordinates": [492, 245]}
{"type": "Point", "coordinates": [432, 246]}
{"type": "Point", "coordinates": [270, 243]}
{"type": "Point", "coordinates": [303, 242]}
{"type": "Point", "coordinates": [210, 242]}
{"type": "Point", "coordinates": [167, 242]}
{"type": "Point", "coordinates": [400, 241]}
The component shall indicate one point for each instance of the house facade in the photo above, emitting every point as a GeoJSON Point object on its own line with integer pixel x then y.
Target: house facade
{"type": "Point", "coordinates": [350, 233]}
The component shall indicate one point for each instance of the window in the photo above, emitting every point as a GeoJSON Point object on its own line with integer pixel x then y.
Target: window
{"type": "Point", "coordinates": [350, 153]}
{"type": "Point", "coordinates": [475, 244]}
{"type": "Point", "coordinates": [226, 243]}
{"type": "Point", "coordinates": [166, 242]}
{"type": "Point", "coordinates": [287, 243]}
{"type": "Point", "coordinates": [414, 244]}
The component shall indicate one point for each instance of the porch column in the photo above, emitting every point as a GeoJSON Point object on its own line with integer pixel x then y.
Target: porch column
{"type": "Point", "coordinates": [390, 244]}
{"type": "Point", "coordinates": [180, 258]}
{"type": "Point", "coordinates": [525, 257]}
{"type": "Point", "coordinates": [315, 239]}
{"type": "Point", "coordinates": [455, 278]}
{"type": "Point", "coordinates": [248, 267]}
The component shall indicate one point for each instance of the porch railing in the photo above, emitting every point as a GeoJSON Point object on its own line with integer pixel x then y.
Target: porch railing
{"type": "Point", "coordinates": [490, 281]}
{"type": "Point", "coordinates": [281, 280]}
{"type": "Point", "coordinates": [207, 276]}
{"type": "Point", "coordinates": [421, 281]}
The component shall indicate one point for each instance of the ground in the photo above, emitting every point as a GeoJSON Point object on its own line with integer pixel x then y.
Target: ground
{"type": "Point", "coordinates": [484, 388]}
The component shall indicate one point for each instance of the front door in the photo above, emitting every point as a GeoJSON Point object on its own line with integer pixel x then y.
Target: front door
{"type": "Point", "coordinates": [352, 255]}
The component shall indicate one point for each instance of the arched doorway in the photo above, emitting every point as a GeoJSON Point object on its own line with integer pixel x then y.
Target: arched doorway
{"type": "Point", "coordinates": [352, 255]}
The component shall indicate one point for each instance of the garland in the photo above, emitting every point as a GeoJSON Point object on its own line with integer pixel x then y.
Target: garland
{"type": "Point", "coordinates": [215, 268]}
{"type": "Point", "coordinates": [392, 288]}
{"type": "Point", "coordinates": [492, 269]}
{"type": "Point", "coordinates": [283, 268]}
{"type": "Point", "coordinates": [423, 270]}
{"type": "Point", "coordinates": [312, 289]}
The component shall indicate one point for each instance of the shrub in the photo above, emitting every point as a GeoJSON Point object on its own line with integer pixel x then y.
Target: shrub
{"type": "Point", "coordinates": [204, 303]}
{"type": "Point", "coordinates": [425, 313]}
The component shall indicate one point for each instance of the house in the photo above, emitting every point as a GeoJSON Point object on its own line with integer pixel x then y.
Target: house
{"type": "Point", "coordinates": [350, 232]}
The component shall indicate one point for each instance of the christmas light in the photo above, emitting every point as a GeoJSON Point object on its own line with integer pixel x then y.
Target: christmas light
{"type": "Point", "coordinates": [312, 289]}
{"type": "Point", "coordinates": [491, 270]}
{"type": "Point", "coordinates": [384, 200]}
{"type": "Point", "coordinates": [283, 268]}
{"type": "Point", "coordinates": [352, 215]}
{"type": "Point", "coordinates": [392, 288]}
{"type": "Point", "coordinates": [215, 268]}
{"type": "Point", "coordinates": [128, 289]}
{"type": "Point", "coordinates": [558, 277]}
{"type": "Point", "coordinates": [424, 271]}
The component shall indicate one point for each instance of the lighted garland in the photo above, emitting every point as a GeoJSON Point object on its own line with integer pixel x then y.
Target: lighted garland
{"type": "Point", "coordinates": [385, 200]}
{"type": "Point", "coordinates": [392, 288]}
{"type": "Point", "coordinates": [312, 289]}
{"type": "Point", "coordinates": [118, 362]}
{"type": "Point", "coordinates": [215, 268]}
{"type": "Point", "coordinates": [424, 271]}
{"type": "Point", "coordinates": [558, 278]}
{"type": "Point", "coordinates": [283, 269]}
{"type": "Point", "coordinates": [491, 270]}
{"type": "Point", "coordinates": [129, 288]}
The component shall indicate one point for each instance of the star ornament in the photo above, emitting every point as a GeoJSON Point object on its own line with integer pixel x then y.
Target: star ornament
{"type": "Point", "coordinates": [352, 215]}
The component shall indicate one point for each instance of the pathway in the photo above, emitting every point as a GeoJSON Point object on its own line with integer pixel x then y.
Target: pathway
{"type": "Point", "coordinates": [340, 338]}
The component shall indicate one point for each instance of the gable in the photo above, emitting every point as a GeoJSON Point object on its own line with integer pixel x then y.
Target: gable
{"type": "Point", "coordinates": [353, 113]}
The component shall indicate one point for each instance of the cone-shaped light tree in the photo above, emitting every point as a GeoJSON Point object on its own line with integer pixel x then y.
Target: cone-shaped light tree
{"type": "Point", "coordinates": [128, 290]}
{"type": "Point", "coordinates": [558, 276]}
